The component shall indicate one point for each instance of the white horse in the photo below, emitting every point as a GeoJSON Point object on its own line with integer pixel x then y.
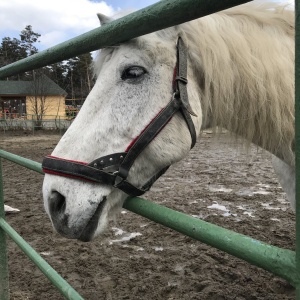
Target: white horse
{"type": "Point", "coordinates": [240, 73]}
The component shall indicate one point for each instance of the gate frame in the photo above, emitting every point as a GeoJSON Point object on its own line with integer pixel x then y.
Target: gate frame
{"type": "Point", "coordinates": [281, 262]}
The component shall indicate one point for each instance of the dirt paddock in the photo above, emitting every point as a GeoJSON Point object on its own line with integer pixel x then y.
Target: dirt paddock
{"type": "Point", "coordinates": [138, 259]}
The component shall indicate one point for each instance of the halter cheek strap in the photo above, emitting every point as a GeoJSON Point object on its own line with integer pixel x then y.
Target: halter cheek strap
{"type": "Point", "coordinates": [113, 169]}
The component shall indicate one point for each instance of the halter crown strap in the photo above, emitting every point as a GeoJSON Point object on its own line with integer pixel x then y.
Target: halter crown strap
{"type": "Point", "coordinates": [181, 81]}
{"type": "Point", "coordinates": [114, 169]}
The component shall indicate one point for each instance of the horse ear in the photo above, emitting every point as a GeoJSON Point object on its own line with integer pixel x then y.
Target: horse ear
{"type": "Point", "coordinates": [103, 19]}
{"type": "Point", "coordinates": [183, 36]}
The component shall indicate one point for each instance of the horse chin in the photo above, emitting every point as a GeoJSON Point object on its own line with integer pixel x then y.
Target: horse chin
{"type": "Point", "coordinates": [89, 230]}
{"type": "Point", "coordinates": [106, 210]}
{"type": "Point", "coordinates": [79, 210]}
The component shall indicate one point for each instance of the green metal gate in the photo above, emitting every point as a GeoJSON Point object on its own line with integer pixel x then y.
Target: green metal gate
{"type": "Point", "coordinates": [281, 262]}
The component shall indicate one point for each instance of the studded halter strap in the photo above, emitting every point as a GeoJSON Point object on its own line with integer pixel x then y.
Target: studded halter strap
{"type": "Point", "coordinates": [113, 169]}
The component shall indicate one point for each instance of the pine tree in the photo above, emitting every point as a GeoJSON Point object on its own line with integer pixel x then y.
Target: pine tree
{"type": "Point", "coordinates": [28, 39]}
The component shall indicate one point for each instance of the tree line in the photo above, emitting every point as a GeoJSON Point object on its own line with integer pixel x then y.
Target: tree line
{"type": "Point", "coordinates": [73, 75]}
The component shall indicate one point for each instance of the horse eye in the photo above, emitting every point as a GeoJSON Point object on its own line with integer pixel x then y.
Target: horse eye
{"type": "Point", "coordinates": [133, 72]}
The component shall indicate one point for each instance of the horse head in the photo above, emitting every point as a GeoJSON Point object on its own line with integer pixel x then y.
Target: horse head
{"type": "Point", "coordinates": [142, 115]}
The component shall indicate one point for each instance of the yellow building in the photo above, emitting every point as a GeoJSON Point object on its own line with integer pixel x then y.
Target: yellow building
{"type": "Point", "coordinates": [42, 97]}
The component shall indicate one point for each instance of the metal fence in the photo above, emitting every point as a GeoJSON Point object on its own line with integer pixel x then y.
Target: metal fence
{"type": "Point", "coordinates": [281, 262]}
{"type": "Point", "coordinates": [32, 123]}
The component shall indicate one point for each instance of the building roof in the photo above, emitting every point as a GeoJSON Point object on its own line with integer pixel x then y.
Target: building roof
{"type": "Point", "coordinates": [43, 85]}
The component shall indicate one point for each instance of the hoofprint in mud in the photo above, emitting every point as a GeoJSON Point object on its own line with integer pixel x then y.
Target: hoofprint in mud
{"type": "Point", "coordinates": [240, 77]}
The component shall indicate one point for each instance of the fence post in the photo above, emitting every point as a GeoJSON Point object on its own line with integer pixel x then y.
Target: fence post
{"type": "Point", "coordinates": [59, 125]}
{"type": "Point", "coordinates": [4, 122]}
{"type": "Point", "coordinates": [32, 123]}
{"type": "Point", "coordinates": [4, 282]}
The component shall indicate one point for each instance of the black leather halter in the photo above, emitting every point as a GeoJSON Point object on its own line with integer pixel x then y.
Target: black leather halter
{"type": "Point", "coordinates": [113, 169]}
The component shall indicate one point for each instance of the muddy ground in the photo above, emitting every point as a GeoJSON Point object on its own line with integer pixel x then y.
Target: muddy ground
{"type": "Point", "coordinates": [138, 259]}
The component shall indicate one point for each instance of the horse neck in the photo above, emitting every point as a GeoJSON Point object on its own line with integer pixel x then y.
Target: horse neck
{"type": "Point", "coordinates": [261, 118]}
{"type": "Point", "coordinates": [247, 84]}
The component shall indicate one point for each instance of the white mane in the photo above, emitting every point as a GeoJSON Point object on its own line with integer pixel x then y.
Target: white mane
{"type": "Point", "coordinates": [246, 57]}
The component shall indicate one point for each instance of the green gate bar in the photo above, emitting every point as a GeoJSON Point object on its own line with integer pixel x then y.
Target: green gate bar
{"type": "Point", "coordinates": [161, 15]}
{"type": "Point", "coordinates": [280, 262]}
{"type": "Point", "coordinates": [25, 162]}
{"type": "Point", "coordinates": [61, 284]}
{"type": "Point", "coordinates": [4, 281]}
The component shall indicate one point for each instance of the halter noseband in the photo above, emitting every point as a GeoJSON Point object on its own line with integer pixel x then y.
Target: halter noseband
{"type": "Point", "coordinates": [113, 169]}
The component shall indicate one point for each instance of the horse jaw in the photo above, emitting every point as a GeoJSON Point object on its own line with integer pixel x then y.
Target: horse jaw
{"type": "Point", "coordinates": [286, 177]}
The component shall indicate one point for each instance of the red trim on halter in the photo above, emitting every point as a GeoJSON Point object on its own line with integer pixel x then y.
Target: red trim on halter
{"type": "Point", "coordinates": [57, 173]}
{"type": "Point", "coordinates": [70, 160]}
{"type": "Point", "coordinates": [46, 171]}
{"type": "Point", "coordinates": [136, 138]}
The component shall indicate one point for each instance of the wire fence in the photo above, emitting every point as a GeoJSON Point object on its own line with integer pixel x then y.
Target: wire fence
{"type": "Point", "coordinates": [26, 122]}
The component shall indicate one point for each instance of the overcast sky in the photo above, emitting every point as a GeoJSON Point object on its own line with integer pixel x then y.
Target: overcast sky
{"type": "Point", "coordinates": [58, 20]}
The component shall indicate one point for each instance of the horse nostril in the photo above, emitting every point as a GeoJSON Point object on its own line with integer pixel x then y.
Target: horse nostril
{"type": "Point", "coordinates": [57, 204]}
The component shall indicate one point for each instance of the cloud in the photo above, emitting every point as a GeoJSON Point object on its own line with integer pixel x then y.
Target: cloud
{"type": "Point", "coordinates": [55, 20]}
{"type": "Point", "coordinates": [53, 37]}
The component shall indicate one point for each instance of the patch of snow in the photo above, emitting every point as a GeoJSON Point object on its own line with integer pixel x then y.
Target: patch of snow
{"type": "Point", "coordinates": [262, 185]}
{"type": "Point", "coordinates": [9, 209]}
{"type": "Point", "coordinates": [244, 192]}
{"type": "Point", "coordinates": [241, 207]}
{"type": "Point", "coordinates": [118, 231]}
{"type": "Point", "coordinates": [267, 206]}
{"type": "Point", "coordinates": [251, 192]}
{"type": "Point", "coordinates": [218, 206]}
{"type": "Point", "coordinates": [125, 238]}
{"type": "Point", "coordinates": [249, 213]}
{"type": "Point", "coordinates": [200, 216]}
{"type": "Point", "coordinates": [226, 213]}
{"type": "Point", "coordinates": [158, 248]}
{"type": "Point", "coordinates": [219, 188]}
{"type": "Point", "coordinates": [275, 219]}
{"type": "Point", "coordinates": [262, 192]}
{"type": "Point", "coordinates": [246, 210]}
{"type": "Point", "coordinates": [193, 202]}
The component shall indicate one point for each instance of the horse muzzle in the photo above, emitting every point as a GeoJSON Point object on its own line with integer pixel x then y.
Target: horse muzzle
{"type": "Point", "coordinates": [82, 230]}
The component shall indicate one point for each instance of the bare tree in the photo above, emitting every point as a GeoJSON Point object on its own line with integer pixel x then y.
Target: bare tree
{"type": "Point", "coordinates": [39, 98]}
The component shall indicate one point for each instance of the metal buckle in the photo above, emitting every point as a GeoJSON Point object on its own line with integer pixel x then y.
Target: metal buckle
{"type": "Point", "coordinates": [176, 95]}
{"type": "Point", "coordinates": [118, 179]}
{"type": "Point", "coordinates": [181, 79]}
